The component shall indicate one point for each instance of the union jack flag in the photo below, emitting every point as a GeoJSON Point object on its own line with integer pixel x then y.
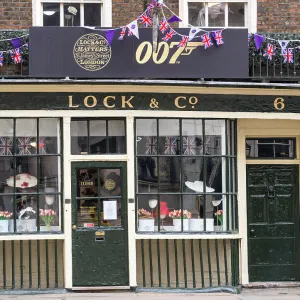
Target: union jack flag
{"type": "Point", "coordinates": [151, 145]}
{"type": "Point", "coordinates": [1, 59]}
{"type": "Point", "coordinates": [169, 35]}
{"type": "Point", "coordinates": [269, 52]}
{"type": "Point", "coordinates": [288, 55]}
{"type": "Point", "coordinates": [123, 32]}
{"type": "Point", "coordinates": [206, 40]}
{"type": "Point", "coordinates": [183, 41]}
{"type": "Point", "coordinates": [170, 145]}
{"type": "Point", "coordinates": [6, 146]}
{"type": "Point", "coordinates": [217, 35]}
{"type": "Point", "coordinates": [25, 45]}
{"type": "Point", "coordinates": [163, 26]}
{"type": "Point", "coordinates": [24, 145]}
{"type": "Point", "coordinates": [145, 20]}
{"type": "Point", "coordinates": [16, 55]}
{"type": "Point", "coordinates": [189, 145]}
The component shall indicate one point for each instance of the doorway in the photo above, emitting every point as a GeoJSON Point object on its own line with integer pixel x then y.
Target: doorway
{"type": "Point", "coordinates": [99, 224]}
{"type": "Point", "coordinates": [273, 222]}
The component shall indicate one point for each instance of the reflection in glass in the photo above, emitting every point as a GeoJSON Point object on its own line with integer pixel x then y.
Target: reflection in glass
{"type": "Point", "coordinates": [92, 14]}
{"type": "Point", "coordinates": [215, 137]}
{"type": "Point", "coordinates": [169, 139]}
{"type": "Point", "coordinates": [49, 140]}
{"type": "Point", "coordinates": [216, 14]}
{"type": "Point", "coordinates": [116, 134]}
{"type": "Point", "coordinates": [98, 137]}
{"type": "Point", "coordinates": [169, 174]}
{"type": "Point", "coordinates": [196, 13]}
{"type": "Point", "coordinates": [236, 14]}
{"type": "Point", "coordinates": [26, 130]}
{"type": "Point", "coordinates": [51, 14]}
{"type": "Point", "coordinates": [192, 137]}
{"type": "Point", "coordinates": [147, 171]}
{"type": "Point", "coordinates": [72, 14]}
{"type": "Point", "coordinates": [79, 137]}
{"type": "Point", "coordinates": [87, 183]}
{"type": "Point", "coordinates": [146, 136]}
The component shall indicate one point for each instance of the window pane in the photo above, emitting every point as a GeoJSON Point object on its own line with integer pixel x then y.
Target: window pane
{"type": "Point", "coordinates": [168, 203]}
{"type": "Point", "coordinates": [110, 182]}
{"type": "Point", "coordinates": [87, 183]}
{"type": "Point", "coordinates": [98, 137]}
{"type": "Point", "coordinates": [116, 134]}
{"type": "Point", "coordinates": [26, 130]}
{"type": "Point", "coordinates": [72, 14]}
{"type": "Point", "coordinates": [215, 174]}
{"type": "Point", "coordinates": [169, 174]}
{"type": "Point", "coordinates": [147, 169]}
{"type": "Point", "coordinates": [169, 139]}
{"type": "Point", "coordinates": [79, 137]}
{"type": "Point", "coordinates": [147, 205]}
{"type": "Point", "coordinates": [49, 174]}
{"type": "Point", "coordinates": [192, 175]}
{"type": "Point", "coordinates": [111, 212]}
{"type": "Point", "coordinates": [6, 137]}
{"type": "Point", "coordinates": [92, 14]}
{"type": "Point", "coordinates": [196, 14]}
{"type": "Point", "coordinates": [87, 213]}
{"type": "Point", "coordinates": [51, 13]}
{"type": "Point", "coordinates": [49, 136]}
{"type": "Point", "coordinates": [236, 14]}
{"type": "Point", "coordinates": [146, 136]}
{"type": "Point", "coordinates": [192, 138]}
{"type": "Point", "coordinates": [216, 14]}
{"type": "Point", "coordinates": [215, 143]}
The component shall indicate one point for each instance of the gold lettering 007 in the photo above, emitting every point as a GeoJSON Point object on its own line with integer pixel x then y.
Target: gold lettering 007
{"type": "Point", "coordinates": [105, 101]}
{"type": "Point", "coordinates": [146, 50]}
{"type": "Point", "coordinates": [279, 103]}
{"type": "Point", "coordinates": [86, 101]}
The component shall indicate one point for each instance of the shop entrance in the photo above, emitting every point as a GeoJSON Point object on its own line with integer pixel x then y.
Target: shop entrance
{"type": "Point", "coordinates": [273, 222]}
{"type": "Point", "coordinates": [99, 224]}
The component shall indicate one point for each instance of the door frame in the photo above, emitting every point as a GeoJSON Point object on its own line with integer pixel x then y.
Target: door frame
{"type": "Point", "coordinates": [297, 215]}
{"type": "Point", "coordinates": [122, 165]}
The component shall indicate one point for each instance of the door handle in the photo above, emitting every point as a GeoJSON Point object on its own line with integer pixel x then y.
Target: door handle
{"type": "Point", "coordinates": [252, 231]}
{"type": "Point", "coordinates": [74, 227]}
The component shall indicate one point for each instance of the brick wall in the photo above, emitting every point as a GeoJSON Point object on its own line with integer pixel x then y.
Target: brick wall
{"type": "Point", "coordinates": [126, 11]}
{"type": "Point", "coordinates": [278, 16]}
{"type": "Point", "coordinates": [15, 14]}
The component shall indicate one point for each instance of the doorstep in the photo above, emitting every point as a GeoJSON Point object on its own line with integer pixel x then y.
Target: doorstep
{"type": "Point", "coordinates": [272, 284]}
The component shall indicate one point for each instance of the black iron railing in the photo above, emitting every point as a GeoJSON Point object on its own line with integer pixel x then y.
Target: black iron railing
{"type": "Point", "coordinates": [33, 264]}
{"type": "Point", "coordinates": [187, 264]}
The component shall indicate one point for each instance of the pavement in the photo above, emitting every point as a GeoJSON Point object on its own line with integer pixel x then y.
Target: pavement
{"type": "Point", "coordinates": [247, 294]}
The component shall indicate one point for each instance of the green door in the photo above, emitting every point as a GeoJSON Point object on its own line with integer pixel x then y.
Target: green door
{"type": "Point", "coordinates": [273, 222]}
{"type": "Point", "coordinates": [99, 219]}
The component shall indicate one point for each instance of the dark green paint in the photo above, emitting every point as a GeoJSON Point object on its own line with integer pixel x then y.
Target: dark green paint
{"type": "Point", "coordinates": [273, 222]}
{"type": "Point", "coordinates": [100, 263]}
{"type": "Point", "coordinates": [142, 101]}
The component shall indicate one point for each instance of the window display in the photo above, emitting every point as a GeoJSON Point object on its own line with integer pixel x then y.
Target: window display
{"type": "Point", "coordinates": [30, 161]}
{"type": "Point", "coordinates": [185, 172]}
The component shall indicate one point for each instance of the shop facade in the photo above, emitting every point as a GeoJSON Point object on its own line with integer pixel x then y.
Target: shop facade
{"type": "Point", "coordinates": [116, 162]}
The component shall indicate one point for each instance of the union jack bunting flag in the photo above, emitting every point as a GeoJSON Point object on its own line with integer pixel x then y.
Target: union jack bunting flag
{"type": "Point", "coordinates": [163, 26]}
{"type": "Point", "coordinates": [206, 40]}
{"type": "Point", "coordinates": [24, 146]}
{"type": "Point", "coordinates": [145, 20]}
{"type": "Point", "coordinates": [25, 45]}
{"type": "Point", "coordinates": [123, 32]}
{"type": "Point", "coordinates": [183, 41]}
{"type": "Point", "coordinates": [16, 55]}
{"type": "Point", "coordinates": [6, 146]}
{"type": "Point", "coordinates": [151, 145]}
{"type": "Point", "coordinates": [288, 55]}
{"type": "Point", "coordinates": [1, 59]}
{"type": "Point", "coordinates": [189, 145]}
{"type": "Point", "coordinates": [169, 35]}
{"type": "Point", "coordinates": [152, 5]}
{"type": "Point", "coordinates": [269, 52]}
{"type": "Point", "coordinates": [217, 35]}
{"type": "Point", "coordinates": [130, 33]}
{"type": "Point", "coordinates": [170, 145]}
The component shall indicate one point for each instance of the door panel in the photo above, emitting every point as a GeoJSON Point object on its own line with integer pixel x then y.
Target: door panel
{"type": "Point", "coordinates": [273, 222]}
{"type": "Point", "coordinates": [99, 218]}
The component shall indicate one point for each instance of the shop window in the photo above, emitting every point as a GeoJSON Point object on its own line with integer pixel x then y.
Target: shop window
{"type": "Point", "coordinates": [72, 13]}
{"type": "Point", "coordinates": [30, 171]}
{"type": "Point", "coordinates": [279, 148]}
{"type": "Point", "coordinates": [98, 136]}
{"type": "Point", "coordinates": [189, 166]}
{"type": "Point", "coordinates": [219, 14]}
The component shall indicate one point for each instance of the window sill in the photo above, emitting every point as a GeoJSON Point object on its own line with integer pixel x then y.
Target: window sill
{"type": "Point", "coordinates": [187, 236]}
{"type": "Point", "coordinates": [33, 236]}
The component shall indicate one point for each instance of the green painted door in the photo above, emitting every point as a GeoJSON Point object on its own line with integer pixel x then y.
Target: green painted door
{"type": "Point", "coordinates": [99, 219]}
{"type": "Point", "coordinates": [273, 223]}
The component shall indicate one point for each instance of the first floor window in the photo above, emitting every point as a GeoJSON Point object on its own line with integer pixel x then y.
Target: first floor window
{"type": "Point", "coordinates": [30, 175]}
{"type": "Point", "coordinates": [185, 174]}
{"type": "Point", "coordinates": [216, 13]}
{"type": "Point", "coordinates": [72, 13]}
